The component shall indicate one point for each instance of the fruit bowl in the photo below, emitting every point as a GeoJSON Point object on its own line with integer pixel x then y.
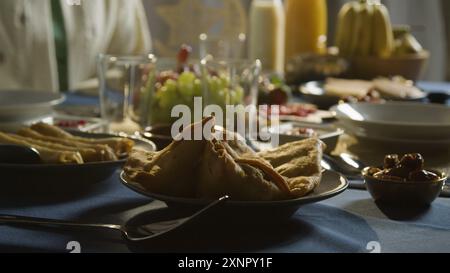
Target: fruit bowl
{"type": "Point", "coordinates": [401, 193]}
{"type": "Point", "coordinates": [408, 66]}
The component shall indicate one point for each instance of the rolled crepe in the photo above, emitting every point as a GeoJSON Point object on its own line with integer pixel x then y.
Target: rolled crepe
{"type": "Point", "coordinates": [88, 154]}
{"type": "Point", "coordinates": [170, 171]}
{"type": "Point", "coordinates": [47, 155]}
{"type": "Point", "coordinates": [121, 146]}
{"type": "Point", "coordinates": [299, 163]}
{"type": "Point", "coordinates": [209, 169]}
{"type": "Point", "coordinates": [105, 153]}
{"type": "Point", "coordinates": [221, 172]}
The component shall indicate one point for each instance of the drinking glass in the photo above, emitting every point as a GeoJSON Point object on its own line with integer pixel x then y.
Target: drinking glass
{"type": "Point", "coordinates": [222, 48]}
{"type": "Point", "coordinates": [122, 79]}
{"type": "Point", "coordinates": [227, 84]}
{"type": "Point", "coordinates": [169, 85]}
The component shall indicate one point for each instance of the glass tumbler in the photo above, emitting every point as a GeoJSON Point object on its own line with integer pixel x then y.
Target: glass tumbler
{"type": "Point", "coordinates": [121, 79]}
{"type": "Point", "coordinates": [230, 87]}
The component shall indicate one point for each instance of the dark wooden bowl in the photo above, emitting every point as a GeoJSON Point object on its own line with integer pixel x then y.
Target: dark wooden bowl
{"type": "Point", "coordinates": [408, 66]}
{"type": "Point", "coordinates": [399, 193]}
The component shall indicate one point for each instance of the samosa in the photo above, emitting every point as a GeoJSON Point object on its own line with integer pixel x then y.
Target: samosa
{"type": "Point", "coordinates": [224, 165]}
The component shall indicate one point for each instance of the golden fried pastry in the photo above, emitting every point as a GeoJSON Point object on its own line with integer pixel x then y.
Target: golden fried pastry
{"type": "Point", "coordinates": [171, 171]}
{"type": "Point", "coordinates": [299, 163]}
{"type": "Point", "coordinates": [48, 154]}
{"type": "Point", "coordinates": [88, 154]}
{"type": "Point", "coordinates": [102, 152]}
{"type": "Point", "coordinates": [223, 171]}
{"type": "Point", "coordinates": [209, 169]}
{"type": "Point", "coordinates": [121, 146]}
{"type": "Point", "coordinates": [234, 140]}
{"type": "Point", "coordinates": [58, 146]}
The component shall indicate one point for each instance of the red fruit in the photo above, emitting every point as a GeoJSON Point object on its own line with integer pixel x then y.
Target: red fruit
{"type": "Point", "coordinates": [278, 97]}
{"type": "Point", "coordinates": [183, 54]}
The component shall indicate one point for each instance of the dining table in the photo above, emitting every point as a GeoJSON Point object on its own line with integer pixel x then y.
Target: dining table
{"type": "Point", "coordinates": [348, 222]}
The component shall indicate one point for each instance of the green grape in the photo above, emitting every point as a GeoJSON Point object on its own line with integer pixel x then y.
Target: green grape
{"type": "Point", "coordinates": [171, 85]}
{"type": "Point", "coordinates": [220, 97]}
{"type": "Point", "coordinates": [224, 81]}
{"type": "Point", "coordinates": [198, 88]}
{"type": "Point", "coordinates": [233, 98]}
{"type": "Point", "coordinates": [164, 97]}
{"type": "Point", "coordinates": [213, 84]}
{"type": "Point", "coordinates": [186, 92]}
{"type": "Point", "coordinates": [186, 77]}
{"type": "Point", "coordinates": [186, 85]}
{"type": "Point", "coordinates": [238, 95]}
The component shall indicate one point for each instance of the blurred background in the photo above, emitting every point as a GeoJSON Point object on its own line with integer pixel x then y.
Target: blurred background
{"type": "Point", "coordinates": [54, 44]}
{"type": "Point", "coordinates": [173, 22]}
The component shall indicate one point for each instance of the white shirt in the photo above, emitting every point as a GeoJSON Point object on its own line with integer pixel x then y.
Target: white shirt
{"type": "Point", "coordinates": [27, 47]}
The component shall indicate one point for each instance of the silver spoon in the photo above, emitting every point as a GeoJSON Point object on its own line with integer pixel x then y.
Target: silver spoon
{"type": "Point", "coordinates": [352, 161]}
{"type": "Point", "coordinates": [15, 154]}
{"type": "Point", "coordinates": [344, 164]}
{"type": "Point", "coordinates": [130, 233]}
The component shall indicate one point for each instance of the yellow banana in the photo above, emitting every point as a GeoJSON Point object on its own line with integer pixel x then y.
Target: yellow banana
{"type": "Point", "coordinates": [383, 37]}
{"type": "Point", "coordinates": [362, 36]}
{"type": "Point", "coordinates": [345, 24]}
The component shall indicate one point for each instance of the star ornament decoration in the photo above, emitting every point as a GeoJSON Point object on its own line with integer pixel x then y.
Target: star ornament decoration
{"type": "Point", "coordinates": [187, 19]}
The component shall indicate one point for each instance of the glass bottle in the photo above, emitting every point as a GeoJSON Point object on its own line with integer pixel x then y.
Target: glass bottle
{"type": "Point", "coordinates": [306, 27]}
{"type": "Point", "coordinates": [267, 27]}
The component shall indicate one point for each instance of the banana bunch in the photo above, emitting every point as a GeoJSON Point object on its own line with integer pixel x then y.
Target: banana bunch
{"type": "Point", "coordinates": [364, 29]}
{"type": "Point", "coordinates": [404, 42]}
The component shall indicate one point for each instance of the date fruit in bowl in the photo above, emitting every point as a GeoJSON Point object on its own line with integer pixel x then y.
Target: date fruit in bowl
{"type": "Point", "coordinates": [404, 181]}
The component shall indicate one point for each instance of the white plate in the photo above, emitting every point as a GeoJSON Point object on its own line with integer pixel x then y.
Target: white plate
{"type": "Point", "coordinates": [326, 133]}
{"type": "Point", "coordinates": [396, 120]}
{"type": "Point", "coordinates": [314, 93]}
{"type": "Point", "coordinates": [19, 106]}
{"type": "Point", "coordinates": [360, 133]}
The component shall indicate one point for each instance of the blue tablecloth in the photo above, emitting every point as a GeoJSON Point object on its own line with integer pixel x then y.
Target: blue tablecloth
{"type": "Point", "coordinates": [345, 223]}
{"type": "Point", "coordinates": [349, 222]}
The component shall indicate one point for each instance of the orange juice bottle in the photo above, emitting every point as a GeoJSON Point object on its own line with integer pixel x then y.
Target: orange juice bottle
{"type": "Point", "coordinates": [306, 27]}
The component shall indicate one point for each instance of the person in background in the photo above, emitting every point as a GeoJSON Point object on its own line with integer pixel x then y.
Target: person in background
{"type": "Point", "coordinates": [53, 44]}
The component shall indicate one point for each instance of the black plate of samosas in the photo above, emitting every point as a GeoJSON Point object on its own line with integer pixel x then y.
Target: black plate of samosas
{"type": "Point", "coordinates": [331, 185]}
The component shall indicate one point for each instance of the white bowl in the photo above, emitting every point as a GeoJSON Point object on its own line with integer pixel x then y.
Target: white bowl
{"type": "Point", "coordinates": [21, 106]}
{"type": "Point", "coordinates": [328, 134]}
{"type": "Point", "coordinates": [396, 120]}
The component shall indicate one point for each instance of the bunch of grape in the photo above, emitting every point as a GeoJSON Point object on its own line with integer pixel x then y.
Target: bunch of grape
{"type": "Point", "coordinates": [181, 85]}
{"type": "Point", "coordinates": [182, 88]}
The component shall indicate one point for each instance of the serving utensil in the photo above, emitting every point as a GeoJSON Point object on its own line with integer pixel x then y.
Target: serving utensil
{"type": "Point", "coordinates": [438, 97]}
{"type": "Point", "coordinates": [15, 154]}
{"type": "Point", "coordinates": [130, 233]}
{"type": "Point", "coordinates": [345, 164]}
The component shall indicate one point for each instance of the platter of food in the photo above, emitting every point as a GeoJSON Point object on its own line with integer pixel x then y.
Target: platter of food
{"type": "Point", "coordinates": [329, 92]}
{"type": "Point", "coordinates": [67, 159]}
{"type": "Point", "coordinates": [298, 112]}
{"type": "Point", "coordinates": [192, 173]}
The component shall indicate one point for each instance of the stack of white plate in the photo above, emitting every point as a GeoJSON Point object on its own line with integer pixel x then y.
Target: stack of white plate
{"type": "Point", "coordinates": [405, 122]}
{"type": "Point", "coordinates": [23, 107]}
